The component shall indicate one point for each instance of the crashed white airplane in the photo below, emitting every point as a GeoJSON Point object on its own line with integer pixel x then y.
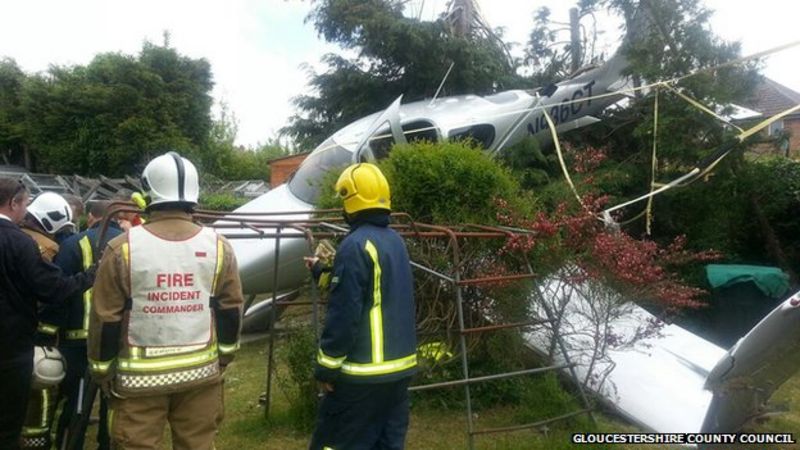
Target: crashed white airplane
{"type": "Point", "coordinates": [663, 388]}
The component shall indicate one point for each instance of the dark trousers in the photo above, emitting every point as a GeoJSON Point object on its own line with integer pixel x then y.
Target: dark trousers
{"type": "Point", "coordinates": [363, 417]}
{"type": "Point", "coordinates": [14, 390]}
{"type": "Point", "coordinates": [39, 419]}
{"type": "Point", "coordinates": [70, 393]}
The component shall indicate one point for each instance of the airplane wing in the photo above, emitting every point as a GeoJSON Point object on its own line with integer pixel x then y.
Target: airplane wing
{"type": "Point", "coordinates": [657, 383]}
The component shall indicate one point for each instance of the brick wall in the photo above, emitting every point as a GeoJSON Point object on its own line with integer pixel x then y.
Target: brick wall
{"type": "Point", "coordinates": [281, 169]}
{"type": "Point", "coordinates": [792, 126]}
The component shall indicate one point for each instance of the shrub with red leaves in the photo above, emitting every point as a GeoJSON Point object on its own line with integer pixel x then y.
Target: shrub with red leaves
{"type": "Point", "coordinates": [636, 268]}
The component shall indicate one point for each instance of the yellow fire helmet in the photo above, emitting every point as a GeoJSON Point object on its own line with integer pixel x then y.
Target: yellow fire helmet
{"type": "Point", "coordinates": [363, 186]}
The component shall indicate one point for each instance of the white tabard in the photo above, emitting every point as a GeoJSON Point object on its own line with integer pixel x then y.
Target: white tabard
{"type": "Point", "coordinates": [171, 287]}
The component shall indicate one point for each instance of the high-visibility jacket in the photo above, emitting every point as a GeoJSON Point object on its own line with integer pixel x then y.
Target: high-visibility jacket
{"type": "Point", "coordinates": [70, 321]}
{"type": "Point", "coordinates": [370, 328]}
{"type": "Point", "coordinates": [166, 307]}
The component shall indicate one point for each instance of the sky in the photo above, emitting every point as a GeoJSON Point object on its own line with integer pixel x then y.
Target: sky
{"type": "Point", "coordinates": [259, 49]}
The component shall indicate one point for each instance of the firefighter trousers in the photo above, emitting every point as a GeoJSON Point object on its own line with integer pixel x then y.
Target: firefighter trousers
{"type": "Point", "coordinates": [363, 417]}
{"type": "Point", "coordinates": [39, 418]}
{"type": "Point", "coordinates": [137, 423]}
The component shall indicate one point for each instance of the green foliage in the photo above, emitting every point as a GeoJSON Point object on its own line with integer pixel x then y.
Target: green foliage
{"type": "Point", "coordinates": [532, 397]}
{"type": "Point", "coordinates": [396, 55]}
{"type": "Point", "coordinates": [777, 183]}
{"type": "Point", "coordinates": [114, 114]}
{"type": "Point", "coordinates": [298, 353]}
{"type": "Point", "coordinates": [246, 164]}
{"type": "Point", "coordinates": [11, 124]}
{"type": "Point", "coordinates": [449, 182]}
{"type": "Point", "coordinates": [222, 202]}
{"type": "Point", "coordinates": [328, 199]}
{"type": "Point", "coordinates": [720, 213]}
{"type": "Point", "coordinates": [529, 164]}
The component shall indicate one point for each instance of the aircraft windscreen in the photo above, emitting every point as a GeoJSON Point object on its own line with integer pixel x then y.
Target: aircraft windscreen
{"type": "Point", "coordinates": [305, 183]}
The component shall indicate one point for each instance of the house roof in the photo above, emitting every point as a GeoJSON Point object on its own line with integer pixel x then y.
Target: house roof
{"type": "Point", "coordinates": [292, 156]}
{"type": "Point", "coordinates": [770, 97]}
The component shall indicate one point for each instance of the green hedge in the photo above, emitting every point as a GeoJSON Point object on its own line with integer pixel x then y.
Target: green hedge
{"type": "Point", "coordinates": [222, 202]}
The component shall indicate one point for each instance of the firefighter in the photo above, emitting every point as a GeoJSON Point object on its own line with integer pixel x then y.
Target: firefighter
{"type": "Point", "coordinates": [48, 215]}
{"type": "Point", "coordinates": [367, 351]}
{"type": "Point", "coordinates": [25, 279]}
{"type": "Point", "coordinates": [165, 318]}
{"type": "Point", "coordinates": [70, 322]}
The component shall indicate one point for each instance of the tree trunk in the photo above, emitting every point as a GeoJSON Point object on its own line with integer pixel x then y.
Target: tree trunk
{"type": "Point", "coordinates": [575, 39]}
{"type": "Point", "coordinates": [771, 241]}
{"type": "Point", "coordinates": [27, 156]}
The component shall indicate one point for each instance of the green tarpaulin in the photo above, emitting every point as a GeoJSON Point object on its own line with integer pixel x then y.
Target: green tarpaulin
{"type": "Point", "coordinates": [773, 282]}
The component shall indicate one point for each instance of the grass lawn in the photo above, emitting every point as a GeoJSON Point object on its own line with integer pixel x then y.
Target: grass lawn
{"type": "Point", "coordinates": [431, 428]}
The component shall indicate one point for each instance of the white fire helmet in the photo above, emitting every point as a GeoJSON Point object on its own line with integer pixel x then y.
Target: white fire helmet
{"type": "Point", "coordinates": [171, 178]}
{"type": "Point", "coordinates": [51, 211]}
{"type": "Point", "coordinates": [49, 367]}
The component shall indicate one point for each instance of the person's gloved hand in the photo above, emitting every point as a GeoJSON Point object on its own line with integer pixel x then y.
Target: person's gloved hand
{"type": "Point", "coordinates": [310, 262]}
{"type": "Point", "coordinates": [91, 272]}
{"type": "Point", "coordinates": [105, 381]}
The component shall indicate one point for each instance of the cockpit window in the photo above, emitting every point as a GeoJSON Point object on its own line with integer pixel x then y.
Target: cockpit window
{"type": "Point", "coordinates": [381, 142]}
{"type": "Point", "coordinates": [482, 134]}
{"type": "Point", "coordinates": [420, 130]}
{"type": "Point", "coordinates": [306, 182]}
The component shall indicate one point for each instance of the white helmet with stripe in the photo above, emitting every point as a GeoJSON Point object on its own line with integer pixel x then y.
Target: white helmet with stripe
{"type": "Point", "coordinates": [171, 178]}
{"type": "Point", "coordinates": [51, 211]}
{"type": "Point", "coordinates": [49, 367]}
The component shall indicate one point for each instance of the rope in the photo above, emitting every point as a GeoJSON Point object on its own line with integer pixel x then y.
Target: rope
{"type": "Point", "coordinates": [705, 167]}
{"type": "Point", "coordinates": [746, 134]}
{"type": "Point", "coordinates": [653, 167]}
{"type": "Point", "coordinates": [701, 107]}
{"type": "Point", "coordinates": [564, 169]}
